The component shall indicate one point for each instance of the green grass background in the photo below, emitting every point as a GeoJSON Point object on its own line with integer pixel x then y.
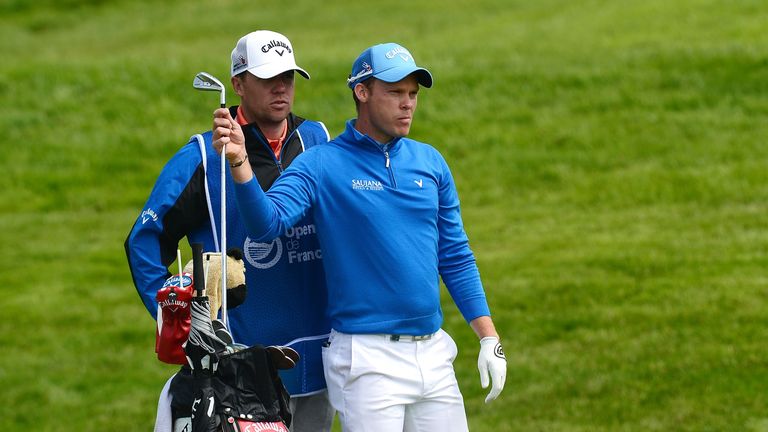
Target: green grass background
{"type": "Point", "coordinates": [611, 158]}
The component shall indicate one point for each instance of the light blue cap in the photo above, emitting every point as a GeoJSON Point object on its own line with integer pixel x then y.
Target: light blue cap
{"type": "Point", "coordinates": [388, 62]}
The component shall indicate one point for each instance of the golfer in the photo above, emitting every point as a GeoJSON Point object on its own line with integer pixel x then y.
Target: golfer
{"type": "Point", "coordinates": [286, 299]}
{"type": "Point", "coordinates": [387, 215]}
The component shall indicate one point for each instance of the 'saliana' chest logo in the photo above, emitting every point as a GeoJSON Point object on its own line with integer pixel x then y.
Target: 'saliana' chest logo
{"type": "Point", "coordinates": [364, 184]}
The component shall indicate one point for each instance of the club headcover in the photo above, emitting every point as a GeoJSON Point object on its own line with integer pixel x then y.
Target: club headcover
{"type": "Point", "coordinates": [221, 331]}
{"type": "Point", "coordinates": [173, 318]}
{"type": "Point", "coordinates": [236, 290]}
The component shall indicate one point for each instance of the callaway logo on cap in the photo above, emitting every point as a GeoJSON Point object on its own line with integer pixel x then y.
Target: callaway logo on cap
{"type": "Point", "coordinates": [388, 62]}
{"type": "Point", "coordinates": [265, 54]}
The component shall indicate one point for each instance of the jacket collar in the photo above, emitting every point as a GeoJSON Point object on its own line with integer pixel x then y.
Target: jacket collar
{"type": "Point", "coordinates": [255, 141]}
{"type": "Point", "coordinates": [354, 136]}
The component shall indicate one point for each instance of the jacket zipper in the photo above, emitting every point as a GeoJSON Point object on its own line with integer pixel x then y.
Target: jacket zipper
{"type": "Point", "coordinates": [387, 163]}
{"type": "Point", "coordinates": [278, 162]}
{"type": "Point", "coordinates": [282, 151]}
{"type": "Point", "coordinates": [389, 169]}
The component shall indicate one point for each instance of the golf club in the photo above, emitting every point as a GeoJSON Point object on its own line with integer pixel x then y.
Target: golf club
{"type": "Point", "coordinates": [207, 82]}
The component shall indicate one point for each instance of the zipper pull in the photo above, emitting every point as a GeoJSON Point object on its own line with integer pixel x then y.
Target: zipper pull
{"type": "Point", "coordinates": [386, 154]}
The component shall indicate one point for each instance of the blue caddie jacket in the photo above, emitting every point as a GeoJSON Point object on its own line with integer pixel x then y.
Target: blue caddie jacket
{"type": "Point", "coordinates": [286, 292]}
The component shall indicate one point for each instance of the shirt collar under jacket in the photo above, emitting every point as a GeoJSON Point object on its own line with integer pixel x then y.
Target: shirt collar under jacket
{"type": "Point", "coordinates": [354, 136]}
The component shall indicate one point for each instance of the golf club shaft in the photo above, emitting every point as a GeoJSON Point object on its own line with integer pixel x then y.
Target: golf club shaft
{"type": "Point", "coordinates": [224, 317]}
{"type": "Point", "coordinates": [181, 270]}
{"type": "Point", "coordinates": [207, 82]}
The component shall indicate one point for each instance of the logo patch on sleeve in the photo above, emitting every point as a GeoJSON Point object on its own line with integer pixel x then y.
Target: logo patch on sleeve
{"type": "Point", "coordinates": [148, 214]}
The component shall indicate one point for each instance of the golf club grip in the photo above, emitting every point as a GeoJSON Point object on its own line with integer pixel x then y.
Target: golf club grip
{"type": "Point", "coordinates": [198, 276]}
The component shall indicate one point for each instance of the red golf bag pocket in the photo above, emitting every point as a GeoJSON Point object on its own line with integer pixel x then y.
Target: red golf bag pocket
{"type": "Point", "coordinates": [173, 318]}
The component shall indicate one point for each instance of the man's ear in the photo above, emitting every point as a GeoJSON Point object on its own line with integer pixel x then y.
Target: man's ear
{"type": "Point", "coordinates": [237, 85]}
{"type": "Point", "coordinates": [361, 92]}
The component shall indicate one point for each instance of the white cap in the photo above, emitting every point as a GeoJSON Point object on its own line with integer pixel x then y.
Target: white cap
{"type": "Point", "coordinates": [265, 54]}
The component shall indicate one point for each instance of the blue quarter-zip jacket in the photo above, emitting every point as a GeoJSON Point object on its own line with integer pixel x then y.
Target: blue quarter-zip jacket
{"type": "Point", "coordinates": [389, 225]}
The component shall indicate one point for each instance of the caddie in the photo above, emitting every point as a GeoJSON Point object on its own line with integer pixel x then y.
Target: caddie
{"type": "Point", "coordinates": [286, 299]}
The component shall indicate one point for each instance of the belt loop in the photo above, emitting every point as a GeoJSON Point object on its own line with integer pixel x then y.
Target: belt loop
{"type": "Point", "coordinates": [394, 338]}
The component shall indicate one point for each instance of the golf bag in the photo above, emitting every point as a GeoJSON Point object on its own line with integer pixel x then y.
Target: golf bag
{"type": "Point", "coordinates": [245, 394]}
{"type": "Point", "coordinates": [227, 387]}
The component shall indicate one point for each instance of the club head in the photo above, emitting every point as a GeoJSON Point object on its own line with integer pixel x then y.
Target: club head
{"type": "Point", "coordinates": [207, 82]}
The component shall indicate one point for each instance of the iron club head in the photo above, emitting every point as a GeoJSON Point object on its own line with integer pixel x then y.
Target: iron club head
{"type": "Point", "coordinates": [207, 82]}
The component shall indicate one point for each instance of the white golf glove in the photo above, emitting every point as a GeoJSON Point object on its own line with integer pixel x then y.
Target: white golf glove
{"type": "Point", "coordinates": [491, 362]}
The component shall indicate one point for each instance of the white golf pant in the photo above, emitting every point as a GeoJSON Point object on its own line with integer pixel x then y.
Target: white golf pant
{"type": "Point", "coordinates": [380, 385]}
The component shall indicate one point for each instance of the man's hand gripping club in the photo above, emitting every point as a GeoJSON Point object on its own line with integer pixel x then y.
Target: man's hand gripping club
{"type": "Point", "coordinates": [226, 131]}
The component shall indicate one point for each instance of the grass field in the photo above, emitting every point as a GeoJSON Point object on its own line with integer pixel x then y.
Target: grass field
{"type": "Point", "coordinates": [611, 157]}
